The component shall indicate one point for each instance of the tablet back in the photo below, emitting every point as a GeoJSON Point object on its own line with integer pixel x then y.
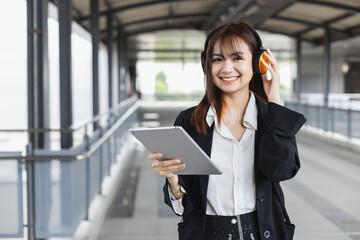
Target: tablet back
{"type": "Point", "coordinates": [174, 142]}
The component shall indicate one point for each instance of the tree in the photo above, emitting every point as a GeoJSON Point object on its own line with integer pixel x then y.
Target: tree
{"type": "Point", "coordinates": [160, 82]}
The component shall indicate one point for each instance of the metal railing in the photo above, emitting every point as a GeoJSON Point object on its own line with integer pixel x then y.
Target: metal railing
{"type": "Point", "coordinates": [345, 121]}
{"type": "Point", "coordinates": [61, 184]}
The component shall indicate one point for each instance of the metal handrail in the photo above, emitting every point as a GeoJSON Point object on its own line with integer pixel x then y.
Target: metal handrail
{"type": "Point", "coordinates": [74, 127]}
{"type": "Point", "coordinates": [85, 155]}
{"type": "Point", "coordinates": [110, 111]}
{"type": "Point", "coordinates": [321, 105]}
{"type": "Point", "coordinates": [325, 118]}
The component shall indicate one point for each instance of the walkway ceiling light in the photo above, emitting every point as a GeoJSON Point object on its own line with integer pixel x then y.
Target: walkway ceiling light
{"type": "Point", "coordinates": [345, 67]}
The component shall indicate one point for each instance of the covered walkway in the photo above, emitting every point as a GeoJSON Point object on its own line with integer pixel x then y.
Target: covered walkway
{"type": "Point", "coordinates": [322, 200]}
{"type": "Point", "coordinates": [72, 85]}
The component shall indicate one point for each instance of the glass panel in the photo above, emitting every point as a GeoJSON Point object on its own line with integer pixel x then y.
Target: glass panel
{"type": "Point", "coordinates": [11, 210]}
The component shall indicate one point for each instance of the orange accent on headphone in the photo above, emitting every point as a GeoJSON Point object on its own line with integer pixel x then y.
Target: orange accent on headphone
{"type": "Point", "coordinates": [262, 67]}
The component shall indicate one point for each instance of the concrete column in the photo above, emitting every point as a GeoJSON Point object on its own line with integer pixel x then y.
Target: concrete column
{"type": "Point", "coordinates": [120, 60]}
{"type": "Point", "coordinates": [94, 9]}
{"type": "Point", "coordinates": [38, 94]}
{"type": "Point", "coordinates": [110, 58]}
{"type": "Point", "coordinates": [297, 84]}
{"type": "Point", "coordinates": [65, 71]}
{"type": "Point", "coordinates": [66, 118]}
{"type": "Point", "coordinates": [327, 65]}
{"type": "Point", "coordinates": [326, 74]}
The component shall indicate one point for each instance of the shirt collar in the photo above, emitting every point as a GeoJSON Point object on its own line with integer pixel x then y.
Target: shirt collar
{"type": "Point", "coordinates": [250, 117]}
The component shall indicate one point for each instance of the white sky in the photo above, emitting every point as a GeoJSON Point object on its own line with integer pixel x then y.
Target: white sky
{"type": "Point", "coordinates": [179, 77]}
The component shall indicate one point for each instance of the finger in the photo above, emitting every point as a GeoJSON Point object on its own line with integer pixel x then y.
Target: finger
{"type": "Point", "coordinates": [166, 163]}
{"type": "Point", "coordinates": [268, 75]}
{"type": "Point", "coordinates": [155, 164]}
{"type": "Point", "coordinates": [272, 59]}
{"type": "Point", "coordinates": [270, 55]}
{"type": "Point", "coordinates": [172, 168]}
{"type": "Point", "coordinates": [269, 67]}
{"type": "Point", "coordinates": [155, 156]}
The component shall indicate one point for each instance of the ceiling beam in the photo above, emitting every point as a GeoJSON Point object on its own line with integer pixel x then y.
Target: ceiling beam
{"type": "Point", "coordinates": [282, 33]}
{"type": "Point", "coordinates": [220, 11]}
{"type": "Point", "coordinates": [165, 27]}
{"type": "Point", "coordinates": [353, 31]}
{"type": "Point", "coordinates": [179, 16]}
{"type": "Point", "coordinates": [351, 9]}
{"type": "Point", "coordinates": [241, 10]}
{"type": "Point", "coordinates": [266, 9]}
{"type": "Point", "coordinates": [168, 50]}
{"type": "Point", "coordinates": [329, 22]}
{"type": "Point", "coordinates": [130, 6]}
{"type": "Point", "coordinates": [312, 24]}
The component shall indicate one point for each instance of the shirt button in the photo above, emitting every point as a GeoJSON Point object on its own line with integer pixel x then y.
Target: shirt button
{"type": "Point", "coordinates": [261, 199]}
{"type": "Point", "coordinates": [233, 221]}
{"type": "Point", "coordinates": [267, 234]}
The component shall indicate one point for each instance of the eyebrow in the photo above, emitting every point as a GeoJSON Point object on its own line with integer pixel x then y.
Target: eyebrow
{"type": "Point", "coordinates": [237, 53]}
{"type": "Point", "coordinates": [232, 54]}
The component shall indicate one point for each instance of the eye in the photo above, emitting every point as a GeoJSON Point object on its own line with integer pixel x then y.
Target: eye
{"type": "Point", "coordinates": [217, 60]}
{"type": "Point", "coordinates": [237, 58]}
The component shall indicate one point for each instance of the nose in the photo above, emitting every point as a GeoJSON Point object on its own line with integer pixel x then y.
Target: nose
{"type": "Point", "coordinates": [227, 67]}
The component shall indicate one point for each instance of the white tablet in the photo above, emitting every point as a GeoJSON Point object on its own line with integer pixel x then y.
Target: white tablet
{"type": "Point", "coordinates": [175, 142]}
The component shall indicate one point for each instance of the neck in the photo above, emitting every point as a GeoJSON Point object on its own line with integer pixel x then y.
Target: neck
{"type": "Point", "coordinates": [236, 103]}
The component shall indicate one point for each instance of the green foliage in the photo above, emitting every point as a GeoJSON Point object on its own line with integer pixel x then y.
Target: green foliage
{"type": "Point", "coordinates": [160, 82]}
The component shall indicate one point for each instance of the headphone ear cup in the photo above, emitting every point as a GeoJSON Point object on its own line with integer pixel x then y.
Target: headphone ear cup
{"type": "Point", "coordinates": [256, 61]}
{"type": "Point", "coordinates": [263, 69]}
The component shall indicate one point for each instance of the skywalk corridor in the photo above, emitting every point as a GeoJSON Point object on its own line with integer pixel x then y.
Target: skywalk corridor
{"type": "Point", "coordinates": [322, 200]}
{"type": "Point", "coordinates": [76, 75]}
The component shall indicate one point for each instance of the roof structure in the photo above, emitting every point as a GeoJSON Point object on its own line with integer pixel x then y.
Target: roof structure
{"type": "Point", "coordinates": [309, 20]}
{"type": "Point", "coordinates": [298, 18]}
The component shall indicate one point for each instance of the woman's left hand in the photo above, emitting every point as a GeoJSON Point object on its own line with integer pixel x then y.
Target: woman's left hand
{"type": "Point", "coordinates": [272, 87]}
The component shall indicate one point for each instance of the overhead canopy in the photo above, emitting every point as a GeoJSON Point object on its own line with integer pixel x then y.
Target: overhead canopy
{"type": "Point", "coordinates": [303, 18]}
{"type": "Point", "coordinates": [308, 20]}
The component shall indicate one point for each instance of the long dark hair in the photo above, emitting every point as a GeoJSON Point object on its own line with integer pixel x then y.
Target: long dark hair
{"type": "Point", "coordinates": [229, 34]}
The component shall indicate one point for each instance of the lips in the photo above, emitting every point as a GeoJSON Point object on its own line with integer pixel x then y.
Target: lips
{"type": "Point", "coordinates": [229, 79]}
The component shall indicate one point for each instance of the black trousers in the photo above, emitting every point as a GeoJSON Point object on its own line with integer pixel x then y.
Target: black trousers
{"type": "Point", "coordinates": [240, 227]}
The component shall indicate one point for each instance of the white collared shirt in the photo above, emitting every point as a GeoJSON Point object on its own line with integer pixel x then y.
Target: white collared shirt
{"type": "Point", "coordinates": [233, 192]}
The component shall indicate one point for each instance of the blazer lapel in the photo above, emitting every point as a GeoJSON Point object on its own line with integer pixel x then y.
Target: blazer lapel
{"type": "Point", "coordinates": [205, 142]}
{"type": "Point", "coordinates": [262, 112]}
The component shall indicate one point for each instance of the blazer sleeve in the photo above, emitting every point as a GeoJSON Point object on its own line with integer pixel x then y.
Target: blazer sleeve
{"type": "Point", "coordinates": [184, 180]}
{"type": "Point", "coordinates": [278, 154]}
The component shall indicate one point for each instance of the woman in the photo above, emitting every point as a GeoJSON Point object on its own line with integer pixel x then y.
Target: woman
{"type": "Point", "coordinates": [248, 134]}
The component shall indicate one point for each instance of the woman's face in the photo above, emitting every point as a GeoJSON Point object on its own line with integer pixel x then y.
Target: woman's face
{"type": "Point", "coordinates": [231, 69]}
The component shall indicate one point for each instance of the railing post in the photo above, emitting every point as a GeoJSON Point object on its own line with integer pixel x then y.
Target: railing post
{"type": "Point", "coordinates": [115, 140]}
{"type": "Point", "coordinates": [101, 160]}
{"type": "Point", "coordinates": [30, 194]}
{"type": "Point", "coordinates": [318, 116]}
{"type": "Point", "coordinates": [332, 112]}
{"type": "Point", "coordinates": [87, 176]}
{"type": "Point", "coordinates": [349, 122]}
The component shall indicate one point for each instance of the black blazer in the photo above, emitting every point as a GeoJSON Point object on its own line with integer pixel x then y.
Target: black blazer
{"type": "Point", "coordinates": [276, 159]}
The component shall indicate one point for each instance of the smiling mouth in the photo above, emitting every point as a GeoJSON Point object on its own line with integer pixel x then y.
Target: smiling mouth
{"type": "Point", "coordinates": [229, 79]}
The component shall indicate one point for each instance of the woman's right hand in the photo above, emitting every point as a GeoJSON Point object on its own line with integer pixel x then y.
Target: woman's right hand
{"type": "Point", "coordinates": [167, 167]}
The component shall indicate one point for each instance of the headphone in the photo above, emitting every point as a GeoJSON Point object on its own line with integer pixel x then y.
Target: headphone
{"type": "Point", "coordinates": [258, 66]}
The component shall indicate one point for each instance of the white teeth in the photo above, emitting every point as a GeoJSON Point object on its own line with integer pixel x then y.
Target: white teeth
{"type": "Point", "coordinates": [229, 79]}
